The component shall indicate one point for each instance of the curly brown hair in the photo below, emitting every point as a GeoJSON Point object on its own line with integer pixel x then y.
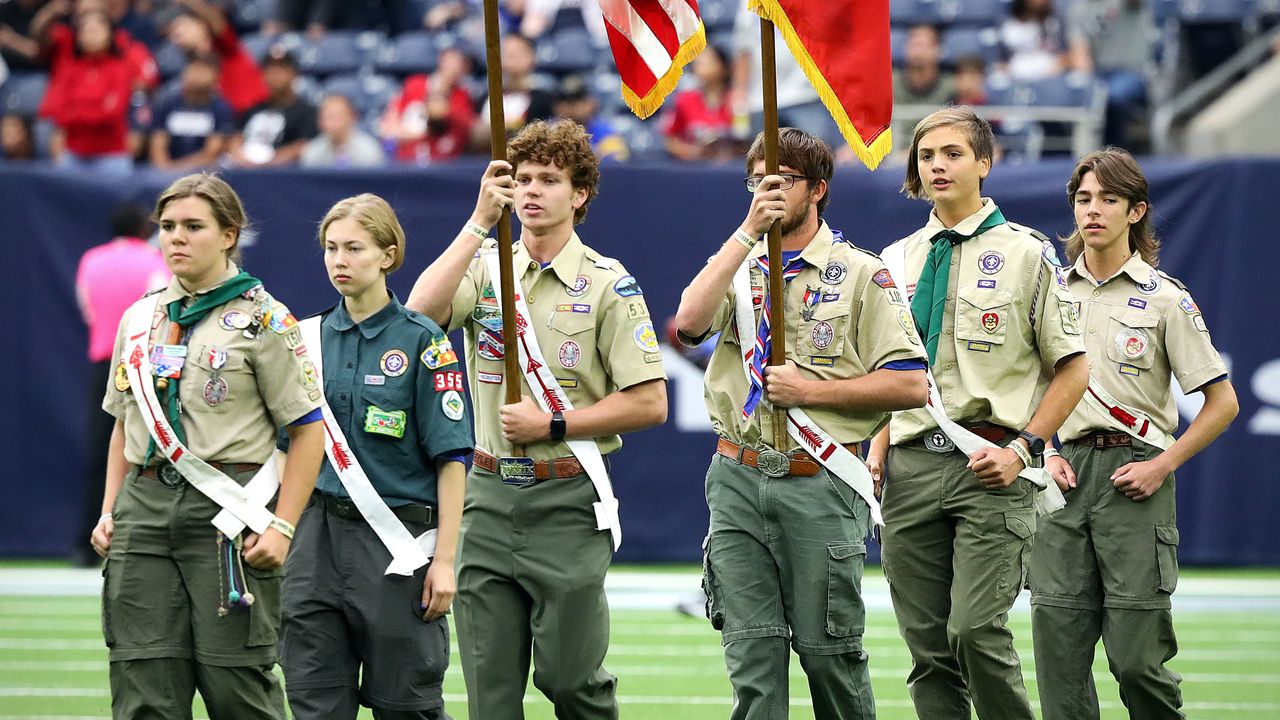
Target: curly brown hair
{"type": "Point", "coordinates": [564, 144]}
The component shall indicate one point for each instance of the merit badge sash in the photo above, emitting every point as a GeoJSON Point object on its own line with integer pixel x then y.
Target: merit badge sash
{"type": "Point", "coordinates": [1049, 498]}
{"type": "Point", "coordinates": [241, 505]}
{"type": "Point", "coordinates": [407, 552]}
{"type": "Point", "coordinates": [549, 396]}
{"type": "Point", "coordinates": [1123, 417]}
{"type": "Point", "coordinates": [817, 442]}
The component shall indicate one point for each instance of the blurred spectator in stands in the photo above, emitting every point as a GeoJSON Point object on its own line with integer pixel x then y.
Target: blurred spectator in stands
{"type": "Point", "coordinates": [190, 129]}
{"type": "Point", "coordinates": [798, 103]}
{"type": "Point", "coordinates": [574, 101]}
{"type": "Point", "coordinates": [274, 132]}
{"type": "Point", "coordinates": [341, 143]}
{"type": "Point", "coordinates": [1034, 41]}
{"type": "Point", "coordinates": [135, 18]}
{"type": "Point", "coordinates": [921, 81]}
{"type": "Point", "coordinates": [432, 117]}
{"type": "Point", "coordinates": [203, 28]}
{"type": "Point", "coordinates": [1110, 38]}
{"type": "Point", "coordinates": [523, 101]}
{"type": "Point", "coordinates": [88, 99]}
{"type": "Point", "coordinates": [318, 16]}
{"type": "Point", "coordinates": [18, 48]}
{"type": "Point", "coordinates": [452, 14]}
{"type": "Point", "coordinates": [970, 81]}
{"type": "Point", "coordinates": [699, 124]}
{"type": "Point", "coordinates": [109, 279]}
{"type": "Point", "coordinates": [17, 138]}
{"type": "Point", "coordinates": [543, 16]}
{"type": "Point", "coordinates": [314, 16]}
{"type": "Point", "coordinates": [53, 28]}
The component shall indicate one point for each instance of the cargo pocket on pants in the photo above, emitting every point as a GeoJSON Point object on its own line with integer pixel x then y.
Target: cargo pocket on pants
{"type": "Point", "coordinates": [1167, 557]}
{"type": "Point", "coordinates": [107, 635]}
{"type": "Point", "coordinates": [846, 615]}
{"type": "Point", "coordinates": [264, 613]}
{"type": "Point", "coordinates": [1020, 526]}
{"type": "Point", "coordinates": [714, 604]}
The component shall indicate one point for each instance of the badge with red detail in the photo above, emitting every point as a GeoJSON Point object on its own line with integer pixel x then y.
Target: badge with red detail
{"type": "Point", "coordinates": [570, 354]}
{"type": "Point", "coordinates": [448, 380]}
{"type": "Point", "coordinates": [1132, 342]}
{"type": "Point", "coordinates": [990, 321]}
{"type": "Point", "coordinates": [883, 278]}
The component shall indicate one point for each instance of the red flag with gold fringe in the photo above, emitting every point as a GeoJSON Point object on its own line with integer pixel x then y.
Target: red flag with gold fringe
{"type": "Point", "coordinates": [652, 41]}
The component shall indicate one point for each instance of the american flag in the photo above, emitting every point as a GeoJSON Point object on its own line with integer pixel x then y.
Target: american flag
{"type": "Point", "coordinates": [652, 41]}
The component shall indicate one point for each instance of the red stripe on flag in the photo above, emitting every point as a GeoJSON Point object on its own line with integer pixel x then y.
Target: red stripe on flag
{"type": "Point", "coordinates": [632, 69]}
{"type": "Point", "coordinates": [660, 24]}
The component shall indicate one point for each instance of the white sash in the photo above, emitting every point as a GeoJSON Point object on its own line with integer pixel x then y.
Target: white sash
{"type": "Point", "coordinates": [1049, 498]}
{"type": "Point", "coordinates": [241, 505]}
{"type": "Point", "coordinates": [407, 553]}
{"type": "Point", "coordinates": [1097, 397]}
{"type": "Point", "coordinates": [544, 384]}
{"type": "Point", "coordinates": [817, 442]}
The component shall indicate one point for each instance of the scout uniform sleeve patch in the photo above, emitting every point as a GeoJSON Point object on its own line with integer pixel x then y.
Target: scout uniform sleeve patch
{"type": "Point", "coordinates": [279, 319]}
{"type": "Point", "coordinates": [447, 380]}
{"type": "Point", "coordinates": [636, 309]}
{"type": "Point", "coordinates": [438, 354]}
{"type": "Point", "coordinates": [452, 406]}
{"type": "Point", "coordinates": [1188, 305]}
{"type": "Point", "coordinates": [627, 287]}
{"type": "Point", "coordinates": [883, 278]}
{"type": "Point", "coordinates": [122, 378]}
{"type": "Point", "coordinates": [646, 339]}
{"type": "Point", "coordinates": [390, 423]}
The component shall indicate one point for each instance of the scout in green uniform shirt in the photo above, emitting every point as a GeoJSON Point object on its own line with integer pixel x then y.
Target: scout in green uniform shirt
{"type": "Point", "coordinates": [532, 563]}
{"type": "Point", "coordinates": [353, 634]}
{"type": "Point", "coordinates": [1106, 565]}
{"type": "Point", "coordinates": [850, 360]}
{"type": "Point", "coordinates": [1004, 347]}
{"type": "Point", "coordinates": [177, 609]}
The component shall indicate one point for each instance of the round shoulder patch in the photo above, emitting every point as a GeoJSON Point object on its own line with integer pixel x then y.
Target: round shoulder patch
{"type": "Point", "coordinates": [646, 339]}
{"type": "Point", "coordinates": [451, 405]}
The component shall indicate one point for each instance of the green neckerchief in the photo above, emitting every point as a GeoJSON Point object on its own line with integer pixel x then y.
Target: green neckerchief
{"type": "Point", "coordinates": [930, 300]}
{"type": "Point", "coordinates": [187, 317]}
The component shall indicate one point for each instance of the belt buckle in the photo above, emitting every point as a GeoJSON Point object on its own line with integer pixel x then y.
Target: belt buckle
{"type": "Point", "coordinates": [517, 471]}
{"type": "Point", "coordinates": [772, 463]}
{"type": "Point", "coordinates": [938, 442]}
{"type": "Point", "coordinates": [169, 476]}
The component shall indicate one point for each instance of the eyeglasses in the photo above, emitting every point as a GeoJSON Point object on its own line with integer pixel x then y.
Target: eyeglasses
{"type": "Point", "coordinates": [788, 180]}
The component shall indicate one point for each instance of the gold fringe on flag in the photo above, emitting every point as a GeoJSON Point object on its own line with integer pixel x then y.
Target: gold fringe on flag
{"type": "Point", "coordinates": [645, 106]}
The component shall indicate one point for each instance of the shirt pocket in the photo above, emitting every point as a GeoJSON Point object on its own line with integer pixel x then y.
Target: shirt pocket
{"type": "Point", "coordinates": [222, 387]}
{"type": "Point", "coordinates": [983, 315]}
{"type": "Point", "coordinates": [823, 335]}
{"type": "Point", "coordinates": [572, 339]}
{"type": "Point", "coordinates": [1131, 338]}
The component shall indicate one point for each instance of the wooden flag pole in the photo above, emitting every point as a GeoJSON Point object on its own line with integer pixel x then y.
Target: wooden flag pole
{"type": "Point", "coordinates": [498, 145]}
{"type": "Point", "coordinates": [777, 327]}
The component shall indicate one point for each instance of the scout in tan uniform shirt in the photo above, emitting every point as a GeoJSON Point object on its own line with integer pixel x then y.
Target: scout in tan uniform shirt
{"type": "Point", "coordinates": [1106, 565]}
{"type": "Point", "coordinates": [851, 359]}
{"type": "Point", "coordinates": [177, 608]}
{"type": "Point", "coordinates": [531, 561]}
{"type": "Point", "coordinates": [994, 313]}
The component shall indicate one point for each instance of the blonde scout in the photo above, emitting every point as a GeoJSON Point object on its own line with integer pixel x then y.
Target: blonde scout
{"type": "Point", "coordinates": [977, 130]}
{"type": "Point", "coordinates": [375, 216]}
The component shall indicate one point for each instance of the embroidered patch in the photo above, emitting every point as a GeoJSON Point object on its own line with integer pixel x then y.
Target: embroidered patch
{"type": "Point", "coordinates": [823, 361]}
{"type": "Point", "coordinates": [489, 345]}
{"type": "Point", "coordinates": [308, 375]}
{"type": "Point", "coordinates": [988, 284]}
{"type": "Point", "coordinates": [490, 378]}
{"type": "Point", "coordinates": [293, 339]}
{"type": "Point", "coordinates": [1069, 313]}
{"type": "Point", "coordinates": [1188, 305]}
{"type": "Point", "coordinates": [1151, 286]}
{"type": "Point", "coordinates": [834, 273]}
{"type": "Point", "coordinates": [832, 297]}
{"type": "Point", "coordinates": [990, 321]}
{"type": "Point", "coordinates": [979, 346]}
{"type": "Point", "coordinates": [627, 287]}
{"type": "Point", "coordinates": [438, 354]}
{"type": "Point", "coordinates": [990, 262]}
{"type": "Point", "coordinates": [570, 353]}
{"type": "Point", "coordinates": [883, 278]}
{"type": "Point", "coordinates": [1138, 303]}
{"type": "Point", "coordinates": [757, 295]}
{"type": "Point", "coordinates": [390, 423]}
{"type": "Point", "coordinates": [908, 326]}
{"type": "Point", "coordinates": [1129, 370]}
{"type": "Point", "coordinates": [567, 382]}
{"type": "Point", "coordinates": [394, 362]}
{"type": "Point", "coordinates": [651, 358]}
{"type": "Point", "coordinates": [375, 379]}
{"type": "Point", "coordinates": [822, 335]}
{"type": "Point", "coordinates": [167, 360]}
{"type": "Point", "coordinates": [573, 308]}
{"type": "Point", "coordinates": [451, 404]}
{"type": "Point", "coordinates": [646, 339]}
{"type": "Point", "coordinates": [1198, 320]}
{"type": "Point", "coordinates": [279, 319]}
{"type": "Point", "coordinates": [1060, 277]}
{"type": "Point", "coordinates": [1132, 342]}
{"type": "Point", "coordinates": [447, 380]}
{"type": "Point", "coordinates": [895, 297]}
{"type": "Point", "coordinates": [122, 378]}
{"type": "Point", "coordinates": [233, 320]}
{"type": "Point", "coordinates": [487, 316]}
{"type": "Point", "coordinates": [580, 285]}
{"type": "Point", "coordinates": [487, 295]}
{"type": "Point", "coordinates": [300, 350]}
{"type": "Point", "coordinates": [1051, 255]}
{"type": "Point", "coordinates": [636, 309]}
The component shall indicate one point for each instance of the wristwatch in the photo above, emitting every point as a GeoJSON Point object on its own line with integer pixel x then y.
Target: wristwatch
{"type": "Point", "coordinates": [559, 426]}
{"type": "Point", "coordinates": [1035, 443]}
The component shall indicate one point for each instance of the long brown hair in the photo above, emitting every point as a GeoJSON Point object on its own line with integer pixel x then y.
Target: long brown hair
{"type": "Point", "coordinates": [1118, 173]}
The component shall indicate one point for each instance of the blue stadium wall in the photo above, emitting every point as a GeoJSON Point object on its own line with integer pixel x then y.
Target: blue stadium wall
{"type": "Point", "coordinates": [1216, 219]}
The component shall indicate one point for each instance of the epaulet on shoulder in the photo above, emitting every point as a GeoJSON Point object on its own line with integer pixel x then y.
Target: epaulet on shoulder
{"type": "Point", "coordinates": [1173, 280]}
{"type": "Point", "coordinates": [863, 251]}
{"type": "Point", "coordinates": [1030, 231]}
{"type": "Point", "coordinates": [418, 318]}
{"type": "Point", "coordinates": [149, 293]}
{"type": "Point", "coordinates": [602, 262]}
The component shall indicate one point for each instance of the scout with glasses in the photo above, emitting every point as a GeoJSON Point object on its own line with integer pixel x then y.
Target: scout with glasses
{"type": "Point", "coordinates": [1106, 565]}
{"type": "Point", "coordinates": [787, 520]}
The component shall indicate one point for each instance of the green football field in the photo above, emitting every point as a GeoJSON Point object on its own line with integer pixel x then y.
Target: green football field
{"type": "Point", "coordinates": [53, 664]}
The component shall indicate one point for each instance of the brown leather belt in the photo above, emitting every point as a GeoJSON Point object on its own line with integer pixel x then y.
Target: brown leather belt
{"type": "Point", "coordinates": [557, 469]}
{"type": "Point", "coordinates": [1100, 439]}
{"type": "Point", "coordinates": [799, 463]}
{"type": "Point", "coordinates": [167, 474]}
{"type": "Point", "coordinates": [347, 510]}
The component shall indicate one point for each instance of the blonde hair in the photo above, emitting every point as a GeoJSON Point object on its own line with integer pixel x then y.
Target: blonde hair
{"type": "Point", "coordinates": [376, 217]}
{"type": "Point", "coordinates": [1118, 173]}
{"type": "Point", "coordinates": [962, 117]}
{"type": "Point", "coordinates": [223, 202]}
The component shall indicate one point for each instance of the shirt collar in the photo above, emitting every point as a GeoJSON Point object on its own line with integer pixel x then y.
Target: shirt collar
{"type": "Point", "coordinates": [566, 264]}
{"type": "Point", "coordinates": [1135, 267]}
{"type": "Point", "coordinates": [965, 227]}
{"type": "Point", "coordinates": [176, 290]}
{"type": "Point", "coordinates": [338, 318]}
{"type": "Point", "coordinates": [816, 253]}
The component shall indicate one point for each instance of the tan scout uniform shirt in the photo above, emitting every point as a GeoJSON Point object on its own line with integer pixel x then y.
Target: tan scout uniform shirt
{"type": "Point", "coordinates": [270, 381]}
{"type": "Point", "coordinates": [1009, 319]}
{"type": "Point", "coordinates": [855, 325]}
{"type": "Point", "coordinates": [592, 326]}
{"type": "Point", "coordinates": [1140, 326]}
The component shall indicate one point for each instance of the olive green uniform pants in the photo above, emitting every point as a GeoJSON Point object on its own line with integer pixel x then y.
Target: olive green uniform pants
{"type": "Point", "coordinates": [1105, 567]}
{"type": "Point", "coordinates": [956, 557]}
{"type": "Point", "coordinates": [162, 589]}
{"type": "Point", "coordinates": [784, 567]}
{"type": "Point", "coordinates": [531, 585]}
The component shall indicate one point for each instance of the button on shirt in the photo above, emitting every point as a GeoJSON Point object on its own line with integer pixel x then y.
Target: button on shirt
{"type": "Point", "coordinates": [591, 323]}
{"type": "Point", "coordinates": [1141, 327]}
{"type": "Point", "coordinates": [1009, 319]}
{"type": "Point", "coordinates": [379, 364]}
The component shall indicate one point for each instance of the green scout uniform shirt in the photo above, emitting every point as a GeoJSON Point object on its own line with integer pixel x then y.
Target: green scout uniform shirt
{"type": "Point", "coordinates": [270, 381]}
{"type": "Point", "coordinates": [592, 326]}
{"type": "Point", "coordinates": [855, 326]}
{"type": "Point", "coordinates": [1140, 326]}
{"type": "Point", "coordinates": [1009, 319]}
{"type": "Point", "coordinates": [395, 388]}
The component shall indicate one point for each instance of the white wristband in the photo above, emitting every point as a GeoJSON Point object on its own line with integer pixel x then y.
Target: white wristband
{"type": "Point", "coordinates": [1023, 454]}
{"type": "Point", "coordinates": [284, 527]}
{"type": "Point", "coordinates": [480, 232]}
{"type": "Point", "coordinates": [741, 236]}
{"type": "Point", "coordinates": [1050, 451]}
{"type": "Point", "coordinates": [104, 516]}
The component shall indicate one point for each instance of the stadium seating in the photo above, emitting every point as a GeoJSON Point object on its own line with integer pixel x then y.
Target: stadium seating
{"type": "Point", "coordinates": [973, 12]}
{"type": "Point", "coordinates": [961, 42]}
{"type": "Point", "coordinates": [22, 92]}
{"type": "Point", "coordinates": [567, 51]}
{"type": "Point", "coordinates": [407, 54]}
{"type": "Point", "coordinates": [368, 93]}
{"type": "Point", "coordinates": [337, 52]}
{"type": "Point", "coordinates": [170, 60]}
